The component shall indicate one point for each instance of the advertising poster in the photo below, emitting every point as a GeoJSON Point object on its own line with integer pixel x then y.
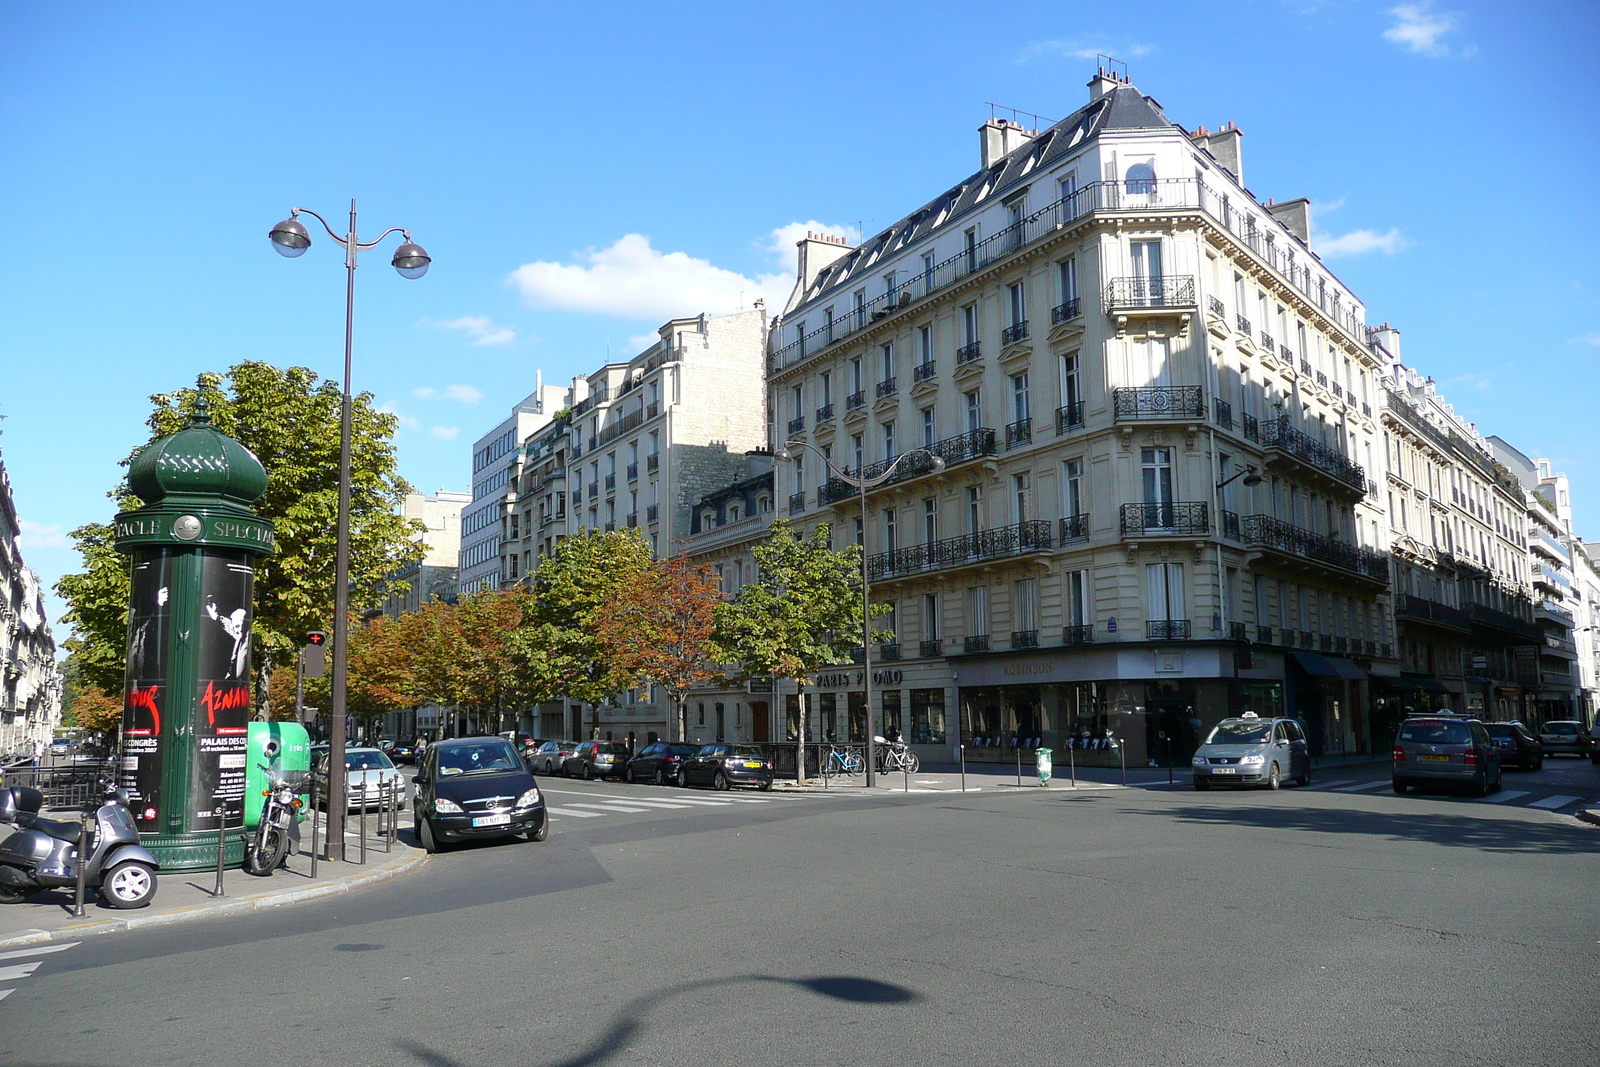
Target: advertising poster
{"type": "Point", "coordinates": [222, 707]}
{"type": "Point", "coordinates": [145, 688]}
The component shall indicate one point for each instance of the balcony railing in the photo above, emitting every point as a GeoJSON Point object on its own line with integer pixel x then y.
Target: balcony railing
{"type": "Point", "coordinates": [1030, 536]}
{"type": "Point", "coordinates": [1163, 520]}
{"type": "Point", "coordinates": [1263, 635]}
{"type": "Point", "coordinates": [797, 424]}
{"type": "Point", "coordinates": [1280, 535]}
{"type": "Point", "coordinates": [1017, 331]}
{"type": "Point", "coordinates": [1066, 311]}
{"type": "Point", "coordinates": [1263, 235]}
{"type": "Point", "coordinates": [930, 647]}
{"type": "Point", "coordinates": [887, 387]}
{"type": "Point", "coordinates": [594, 490]}
{"type": "Point", "coordinates": [1164, 291]}
{"type": "Point", "coordinates": [1077, 635]}
{"type": "Point", "coordinates": [1494, 618]}
{"type": "Point", "coordinates": [1305, 367]}
{"type": "Point", "coordinates": [797, 503]}
{"type": "Point", "coordinates": [1230, 525]}
{"type": "Point", "coordinates": [975, 643]}
{"type": "Point", "coordinates": [1075, 527]}
{"type": "Point", "coordinates": [1242, 324]}
{"type": "Point", "coordinates": [1252, 428]}
{"type": "Point", "coordinates": [652, 512]}
{"type": "Point", "coordinates": [652, 463]}
{"type": "Point", "coordinates": [1267, 343]}
{"type": "Point", "coordinates": [1237, 632]}
{"type": "Point", "coordinates": [889, 651]}
{"type": "Point", "coordinates": [923, 372]}
{"type": "Point", "coordinates": [824, 414]}
{"type": "Point", "coordinates": [855, 400]}
{"type": "Point", "coordinates": [1069, 417]}
{"type": "Point", "coordinates": [1167, 629]}
{"type": "Point", "coordinates": [652, 410]}
{"type": "Point", "coordinates": [633, 472]}
{"type": "Point", "coordinates": [1277, 433]}
{"type": "Point", "coordinates": [969, 353]}
{"type": "Point", "coordinates": [611, 527]}
{"type": "Point", "coordinates": [1214, 306]}
{"type": "Point", "coordinates": [1019, 433]}
{"type": "Point", "coordinates": [1224, 411]}
{"type": "Point", "coordinates": [630, 421]}
{"type": "Point", "coordinates": [1159, 402]}
{"type": "Point", "coordinates": [953, 450]}
{"type": "Point", "coordinates": [633, 519]}
{"type": "Point", "coordinates": [1407, 606]}
{"type": "Point", "coordinates": [611, 482]}
{"type": "Point", "coordinates": [1322, 379]}
{"type": "Point", "coordinates": [1024, 638]}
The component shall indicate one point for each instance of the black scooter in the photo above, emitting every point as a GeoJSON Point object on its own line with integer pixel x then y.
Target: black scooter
{"type": "Point", "coordinates": [43, 853]}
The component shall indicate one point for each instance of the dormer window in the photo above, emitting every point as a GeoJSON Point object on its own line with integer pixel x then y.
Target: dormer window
{"type": "Point", "coordinates": [733, 512]}
{"type": "Point", "coordinates": [708, 519]}
{"type": "Point", "coordinates": [763, 503]}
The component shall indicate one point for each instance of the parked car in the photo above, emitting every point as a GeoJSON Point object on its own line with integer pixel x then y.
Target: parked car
{"type": "Point", "coordinates": [596, 759]}
{"type": "Point", "coordinates": [403, 752]}
{"type": "Point", "coordinates": [1566, 735]}
{"type": "Point", "coordinates": [368, 773]}
{"type": "Point", "coordinates": [1444, 749]}
{"type": "Point", "coordinates": [659, 762]}
{"type": "Point", "coordinates": [725, 766]}
{"type": "Point", "coordinates": [475, 787]}
{"type": "Point", "coordinates": [548, 757]}
{"type": "Point", "coordinates": [1250, 750]}
{"type": "Point", "coordinates": [61, 746]}
{"type": "Point", "coordinates": [1516, 745]}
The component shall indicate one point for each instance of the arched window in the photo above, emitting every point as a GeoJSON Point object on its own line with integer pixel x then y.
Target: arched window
{"type": "Point", "coordinates": [1141, 178]}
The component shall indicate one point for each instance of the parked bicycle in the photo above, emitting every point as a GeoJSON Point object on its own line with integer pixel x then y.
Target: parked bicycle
{"type": "Point", "coordinates": [895, 755]}
{"type": "Point", "coordinates": [842, 761]}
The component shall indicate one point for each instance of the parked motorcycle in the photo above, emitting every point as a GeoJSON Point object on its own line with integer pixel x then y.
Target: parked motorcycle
{"type": "Point", "coordinates": [43, 853]}
{"type": "Point", "coordinates": [277, 836]}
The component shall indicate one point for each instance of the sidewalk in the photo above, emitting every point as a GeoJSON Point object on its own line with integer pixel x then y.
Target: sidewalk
{"type": "Point", "coordinates": [182, 896]}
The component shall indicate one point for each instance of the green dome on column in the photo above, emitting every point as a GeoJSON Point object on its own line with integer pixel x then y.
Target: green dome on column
{"type": "Point", "coordinates": [198, 460]}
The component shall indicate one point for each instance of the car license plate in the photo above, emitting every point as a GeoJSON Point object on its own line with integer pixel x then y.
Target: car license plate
{"type": "Point", "coordinates": [492, 820]}
{"type": "Point", "coordinates": [754, 765]}
{"type": "Point", "coordinates": [1436, 759]}
{"type": "Point", "coordinates": [1223, 770]}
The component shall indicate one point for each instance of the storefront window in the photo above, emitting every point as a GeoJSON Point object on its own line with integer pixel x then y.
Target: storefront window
{"type": "Point", "coordinates": [830, 714]}
{"type": "Point", "coordinates": [858, 717]}
{"type": "Point", "coordinates": [891, 714]}
{"type": "Point", "coordinates": [927, 716]}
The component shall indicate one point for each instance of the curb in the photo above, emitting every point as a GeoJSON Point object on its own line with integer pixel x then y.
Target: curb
{"type": "Point", "coordinates": [270, 899]}
{"type": "Point", "coordinates": [1588, 815]}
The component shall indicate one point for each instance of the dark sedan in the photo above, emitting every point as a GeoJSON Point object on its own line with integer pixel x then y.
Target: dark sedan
{"type": "Point", "coordinates": [1516, 744]}
{"type": "Point", "coordinates": [659, 762]}
{"type": "Point", "coordinates": [596, 759]}
{"type": "Point", "coordinates": [725, 766]}
{"type": "Point", "coordinates": [475, 787]}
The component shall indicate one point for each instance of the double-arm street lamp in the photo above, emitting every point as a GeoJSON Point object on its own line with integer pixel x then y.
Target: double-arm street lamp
{"type": "Point", "coordinates": [862, 485]}
{"type": "Point", "coordinates": [290, 239]}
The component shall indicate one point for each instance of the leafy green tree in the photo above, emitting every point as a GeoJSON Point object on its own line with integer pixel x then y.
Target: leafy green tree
{"type": "Point", "coordinates": [94, 711]}
{"type": "Point", "coordinates": [802, 612]}
{"type": "Point", "coordinates": [290, 419]}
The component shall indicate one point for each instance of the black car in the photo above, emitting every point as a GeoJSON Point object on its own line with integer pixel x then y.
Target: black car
{"type": "Point", "coordinates": [725, 766]}
{"type": "Point", "coordinates": [403, 752]}
{"type": "Point", "coordinates": [1516, 744]}
{"type": "Point", "coordinates": [659, 762]}
{"type": "Point", "coordinates": [475, 787]}
{"type": "Point", "coordinates": [596, 759]}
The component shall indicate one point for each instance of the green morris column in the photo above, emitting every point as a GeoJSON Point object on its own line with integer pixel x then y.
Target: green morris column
{"type": "Point", "coordinates": [186, 699]}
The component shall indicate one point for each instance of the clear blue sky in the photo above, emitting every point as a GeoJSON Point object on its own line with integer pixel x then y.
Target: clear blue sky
{"type": "Point", "coordinates": [581, 172]}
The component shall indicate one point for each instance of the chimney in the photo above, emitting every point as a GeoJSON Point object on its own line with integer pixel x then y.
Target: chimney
{"type": "Point", "coordinates": [1295, 214]}
{"type": "Point", "coordinates": [1223, 145]}
{"type": "Point", "coordinates": [998, 138]}
{"type": "Point", "coordinates": [816, 251]}
{"type": "Point", "coordinates": [1101, 84]}
{"type": "Point", "coordinates": [1388, 338]}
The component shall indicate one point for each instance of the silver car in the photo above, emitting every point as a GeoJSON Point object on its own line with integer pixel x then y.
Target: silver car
{"type": "Point", "coordinates": [1250, 750]}
{"type": "Point", "coordinates": [1445, 749]}
{"type": "Point", "coordinates": [368, 775]}
{"type": "Point", "coordinates": [1565, 735]}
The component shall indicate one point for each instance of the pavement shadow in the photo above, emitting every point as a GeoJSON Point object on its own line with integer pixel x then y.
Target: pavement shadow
{"type": "Point", "coordinates": [628, 1020]}
{"type": "Point", "coordinates": [1459, 831]}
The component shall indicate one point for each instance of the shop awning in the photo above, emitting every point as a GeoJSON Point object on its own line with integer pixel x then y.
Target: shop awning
{"type": "Point", "coordinates": [1425, 683]}
{"type": "Point", "coordinates": [1346, 669]}
{"type": "Point", "coordinates": [1314, 664]}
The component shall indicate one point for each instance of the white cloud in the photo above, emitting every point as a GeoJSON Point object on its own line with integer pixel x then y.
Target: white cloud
{"type": "Point", "coordinates": [445, 433]}
{"type": "Point", "coordinates": [480, 329]}
{"type": "Point", "coordinates": [630, 279]}
{"type": "Point", "coordinates": [1421, 29]}
{"type": "Point", "coordinates": [1076, 49]}
{"type": "Point", "coordinates": [39, 535]}
{"type": "Point", "coordinates": [1359, 242]}
{"type": "Point", "coordinates": [389, 407]}
{"type": "Point", "coordinates": [1587, 339]}
{"type": "Point", "coordinates": [1327, 207]}
{"type": "Point", "coordinates": [424, 393]}
{"type": "Point", "coordinates": [464, 393]}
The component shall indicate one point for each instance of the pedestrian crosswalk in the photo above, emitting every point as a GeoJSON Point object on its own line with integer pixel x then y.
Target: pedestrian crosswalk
{"type": "Point", "coordinates": [1511, 797]}
{"type": "Point", "coordinates": [17, 965]}
{"type": "Point", "coordinates": [584, 804]}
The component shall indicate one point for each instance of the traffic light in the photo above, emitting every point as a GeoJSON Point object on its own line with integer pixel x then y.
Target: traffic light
{"type": "Point", "coordinates": [316, 654]}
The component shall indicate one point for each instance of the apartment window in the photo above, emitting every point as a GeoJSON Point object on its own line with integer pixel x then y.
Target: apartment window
{"type": "Point", "coordinates": [974, 411]}
{"type": "Point", "coordinates": [1147, 267]}
{"type": "Point", "coordinates": [1022, 496]}
{"type": "Point", "coordinates": [1156, 464]}
{"type": "Point", "coordinates": [1067, 282]}
{"type": "Point", "coordinates": [797, 402]}
{"type": "Point", "coordinates": [1141, 179]}
{"type": "Point", "coordinates": [888, 286]}
{"type": "Point", "coordinates": [855, 375]}
{"type": "Point", "coordinates": [925, 344]}
{"type": "Point", "coordinates": [1077, 597]}
{"type": "Point", "coordinates": [890, 540]}
{"type": "Point", "coordinates": [927, 271]}
{"type": "Point", "coordinates": [1072, 488]}
{"type": "Point", "coordinates": [1300, 338]}
{"type": "Point", "coordinates": [1164, 592]}
{"type": "Point", "coordinates": [825, 387]}
{"type": "Point", "coordinates": [888, 442]}
{"type": "Point", "coordinates": [978, 610]}
{"type": "Point", "coordinates": [1067, 188]}
{"type": "Point", "coordinates": [827, 324]}
{"type": "Point", "coordinates": [930, 616]}
{"type": "Point", "coordinates": [929, 436]}
{"type": "Point", "coordinates": [930, 520]}
{"type": "Point", "coordinates": [861, 534]}
{"type": "Point", "coordinates": [861, 307]}
{"type": "Point", "coordinates": [969, 324]}
{"type": "Point", "coordinates": [857, 452]}
{"type": "Point", "coordinates": [1071, 395]}
{"type": "Point", "coordinates": [974, 508]}
{"type": "Point", "coordinates": [655, 442]}
{"type": "Point", "coordinates": [1025, 604]}
{"type": "Point", "coordinates": [1020, 410]}
{"type": "Point", "coordinates": [799, 474]}
{"type": "Point", "coordinates": [969, 245]}
{"type": "Point", "coordinates": [1017, 301]}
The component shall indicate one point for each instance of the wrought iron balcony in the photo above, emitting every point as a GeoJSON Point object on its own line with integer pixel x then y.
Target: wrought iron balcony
{"type": "Point", "coordinates": [1278, 434]}
{"type": "Point", "coordinates": [652, 410]}
{"type": "Point", "coordinates": [1237, 632]}
{"type": "Point", "coordinates": [1322, 379]}
{"type": "Point", "coordinates": [1337, 390]}
{"type": "Point", "coordinates": [969, 353]}
{"type": "Point", "coordinates": [1305, 367]}
{"type": "Point", "coordinates": [1242, 324]}
{"type": "Point", "coordinates": [1024, 638]}
{"type": "Point", "coordinates": [797, 503]}
{"type": "Point", "coordinates": [1307, 639]}
{"type": "Point", "coordinates": [1077, 635]}
{"type": "Point", "coordinates": [1166, 520]}
{"type": "Point", "coordinates": [594, 490]}
{"type": "Point", "coordinates": [1252, 428]}
{"type": "Point", "coordinates": [611, 527]}
{"type": "Point", "coordinates": [633, 519]}
{"type": "Point", "coordinates": [953, 450]}
{"type": "Point", "coordinates": [797, 424]}
{"type": "Point", "coordinates": [889, 651]}
{"type": "Point", "coordinates": [1165, 291]}
{"type": "Point", "coordinates": [1159, 402]}
{"type": "Point", "coordinates": [1263, 635]}
{"type": "Point", "coordinates": [633, 472]}
{"type": "Point", "coordinates": [1017, 331]}
{"type": "Point", "coordinates": [1418, 609]}
{"type": "Point", "coordinates": [1230, 526]}
{"type": "Point", "coordinates": [1019, 433]}
{"type": "Point", "coordinates": [923, 372]}
{"type": "Point", "coordinates": [824, 414]}
{"type": "Point", "coordinates": [1069, 417]}
{"type": "Point", "coordinates": [1075, 527]}
{"type": "Point", "coordinates": [1303, 544]}
{"type": "Point", "coordinates": [1268, 345]}
{"type": "Point", "coordinates": [1215, 307]}
{"type": "Point", "coordinates": [1224, 412]}
{"type": "Point", "coordinates": [976, 643]}
{"type": "Point", "coordinates": [1167, 629]}
{"type": "Point", "coordinates": [1066, 311]}
{"type": "Point", "coordinates": [855, 400]}
{"type": "Point", "coordinates": [962, 550]}
{"type": "Point", "coordinates": [611, 482]}
{"type": "Point", "coordinates": [930, 647]}
{"type": "Point", "coordinates": [652, 463]}
{"type": "Point", "coordinates": [887, 387]}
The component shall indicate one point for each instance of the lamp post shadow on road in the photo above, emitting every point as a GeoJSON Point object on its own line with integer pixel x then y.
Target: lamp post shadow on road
{"type": "Point", "coordinates": [290, 239]}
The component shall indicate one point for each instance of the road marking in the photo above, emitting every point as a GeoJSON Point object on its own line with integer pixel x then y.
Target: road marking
{"type": "Point", "coordinates": [574, 813]}
{"type": "Point", "coordinates": [1509, 794]}
{"type": "Point", "coordinates": [18, 971]}
{"type": "Point", "coordinates": [663, 804]}
{"type": "Point", "coordinates": [40, 951]}
{"type": "Point", "coordinates": [1330, 786]}
{"type": "Point", "coordinates": [612, 806]}
{"type": "Point", "coordinates": [1361, 786]}
{"type": "Point", "coordinates": [4, 993]}
{"type": "Point", "coordinates": [1547, 802]}
{"type": "Point", "coordinates": [613, 796]}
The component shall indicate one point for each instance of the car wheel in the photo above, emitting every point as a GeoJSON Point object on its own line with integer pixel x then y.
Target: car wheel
{"type": "Point", "coordinates": [542, 832]}
{"type": "Point", "coordinates": [633, 776]}
{"type": "Point", "coordinates": [1201, 784]}
{"type": "Point", "coordinates": [1274, 777]}
{"type": "Point", "coordinates": [10, 894]}
{"type": "Point", "coordinates": [1482, 788]}
{"type": "Point", "coordinates": [683, 779]}
{"type": "Point", "coordinates": [720, 782]}
{"type": "Point", "coordinates": [588, 772]}
{"type": "Point", "coordinates": [765, 786]}
{"type": "Point", "coordinates": [661, 776]}
{"type": "Point", "coordinates": [430, 844]}
{"type": "Point", "coordinates": [1400, 787]}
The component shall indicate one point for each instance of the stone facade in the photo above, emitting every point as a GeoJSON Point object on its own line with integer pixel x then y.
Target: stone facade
{"type": "Point", "coordinates": [30, 685]}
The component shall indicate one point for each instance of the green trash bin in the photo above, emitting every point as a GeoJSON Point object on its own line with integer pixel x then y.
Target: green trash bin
{"type": "Point", "coordinates": [1044, 763]}
{"type": "Point", "coordinates": [285, 744]}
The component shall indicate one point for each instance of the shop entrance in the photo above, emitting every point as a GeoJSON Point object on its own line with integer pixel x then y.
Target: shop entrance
{"type": "Point", "coordinates": [1169, 726]}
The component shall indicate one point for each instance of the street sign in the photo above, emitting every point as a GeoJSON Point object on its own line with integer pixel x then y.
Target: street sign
{"type": "Point", "coordinates": [316, 654]}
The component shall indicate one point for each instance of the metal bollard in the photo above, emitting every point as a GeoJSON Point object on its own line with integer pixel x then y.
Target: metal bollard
{"type": "Point", "coordinates": [222, 841]}
{"type": "Point", "coordinates": [388, 838]}
{"type": "Point", "coordinates": [1018, 746]}
{"type": "Point", "coordinates": [314, 821]}
{"type": "Point", "coordinates": [1122, 753]}
{"type": "Point", "coordinates": [363, 817]}
{"type": "Point", "coordinates": [1072, 764]}
{"type": "Point", "coordinates": [963, 747]}
{"type": "Point", "coordinates": [83, 855]}
{"type": "Point", "coordinates": [905, 769]}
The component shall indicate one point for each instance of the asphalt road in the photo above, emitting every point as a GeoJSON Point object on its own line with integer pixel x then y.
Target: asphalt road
{"type": "Point", "coordinates": [1114, 926]}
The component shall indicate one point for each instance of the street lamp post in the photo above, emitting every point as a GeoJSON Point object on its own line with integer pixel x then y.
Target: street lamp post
{"type": "Point", "coordinates": [290, 239]}
{"type": "Point", "coordinates": [862, 485]}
